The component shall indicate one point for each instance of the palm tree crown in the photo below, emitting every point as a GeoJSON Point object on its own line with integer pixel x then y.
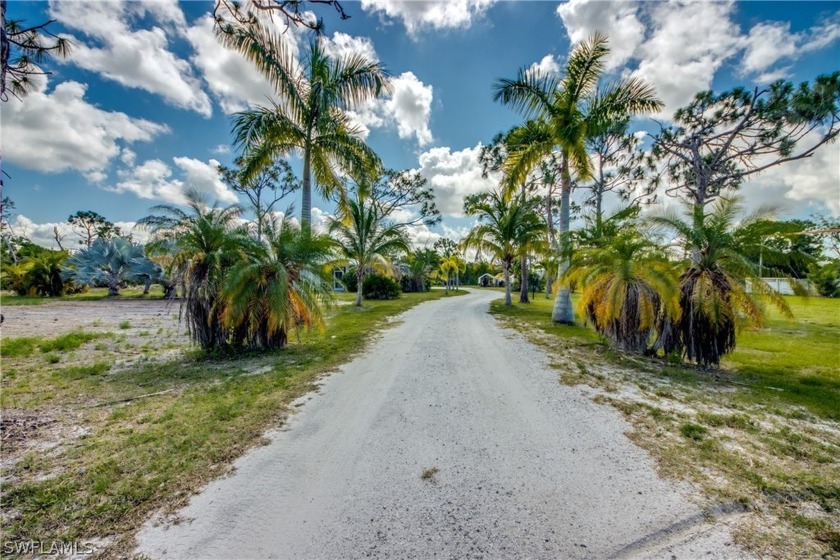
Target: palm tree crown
{"type": "Point", "coordinates": [308, 115]}
{"type": "Point", "coordinates": [566, 110]}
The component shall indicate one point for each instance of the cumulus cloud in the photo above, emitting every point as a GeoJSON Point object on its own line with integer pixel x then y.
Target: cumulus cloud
{"type": "Point", "coordinates": [418, 16]}
{"type": "Point", "coordinates": [44, 234]}
{"type": "Point", "coordinates": [453, 176]}
{"type": "Point", "coordinates": [154, 179]}
{"type": "Point", "coordinates": [548, 65]}
{"type": "Point", "coordinates": [231, 78]}
{"type": "Point", "coordinates": [135, 58]}
{"type": "Point", "coordinates": [408, 109]}
{"type": "Point", "coordinates": [679, 46]}
{"type": "Point", "coordinates": [60, 131]}
{"type": "Point", "coordinates": [619, 20]}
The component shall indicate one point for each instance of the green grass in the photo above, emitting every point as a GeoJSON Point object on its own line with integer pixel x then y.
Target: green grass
{"type": "Point", "coordinates": [25, 346]}
{"type": "Point", "coordinates": [794, 362]}
{"type": "Point", "coordinates": [160, 431]}
{"type": "Point", "coordinates": [761, 432]}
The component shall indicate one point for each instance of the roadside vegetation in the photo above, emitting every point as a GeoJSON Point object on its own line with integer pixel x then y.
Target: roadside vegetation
{"type": "Point", "coordinates": [761, 434]}
{"type": "Point", "coordinates": [92, 447]}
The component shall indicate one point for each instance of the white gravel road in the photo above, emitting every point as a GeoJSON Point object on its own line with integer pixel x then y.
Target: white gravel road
{"type": "Point", "coordinates": [527, 468]}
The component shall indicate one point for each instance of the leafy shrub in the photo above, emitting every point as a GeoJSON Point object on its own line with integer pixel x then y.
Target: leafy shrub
{"type": "Point", "coordinates": [826, 278]}
{"type": "Point", "coordinates": [380, 287]}
{"type": "Point", "coordinates": [410, 284]}
{"type": "Point", "coordinates": [349, 280]}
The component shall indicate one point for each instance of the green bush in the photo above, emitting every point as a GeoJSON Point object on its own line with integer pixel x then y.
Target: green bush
{"type": "Point", "coordinates": [826, 278]}
{"type": "Point", "coordinates": [380, 287]}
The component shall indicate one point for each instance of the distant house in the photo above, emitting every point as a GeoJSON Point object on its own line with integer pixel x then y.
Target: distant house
{"type": "Point", "coordinates": [487, 280]}
{"type": "Point", "coordinates": [338, 275]}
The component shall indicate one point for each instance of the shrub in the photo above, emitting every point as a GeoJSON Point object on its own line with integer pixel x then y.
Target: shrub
{"type": "Point", "coordinates": [826, 278]}
{"type": "Point", "coordinates": [380, 287]}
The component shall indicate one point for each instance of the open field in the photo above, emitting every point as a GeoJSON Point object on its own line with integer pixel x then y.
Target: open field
{"type": "Point", "coordinates": [105, 424]}
{"type": "Point", "coordinates": [761, 434]}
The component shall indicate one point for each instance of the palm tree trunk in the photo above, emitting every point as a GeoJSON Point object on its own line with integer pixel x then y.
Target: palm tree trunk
{"type": "Point", "coordinates": [447, 282]}
{"type": "Point", "coordinates": [563, 312]}
{"type": "Point", "coordinates": [360, 278]}
{"type": "Point", "coordinates": [523, 280]}
{"type": "Point", "coordinates": [508, 301]}
{"type": "Point", "coordinates": [306, 204]}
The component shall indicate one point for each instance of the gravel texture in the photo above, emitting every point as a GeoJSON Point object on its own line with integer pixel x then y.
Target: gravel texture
{"type": "Point", "coordinates": [526, 467]}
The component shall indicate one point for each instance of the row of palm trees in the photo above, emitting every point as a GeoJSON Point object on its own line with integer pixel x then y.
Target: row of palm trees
{"type": "Point", "coordinates": [636, 292]}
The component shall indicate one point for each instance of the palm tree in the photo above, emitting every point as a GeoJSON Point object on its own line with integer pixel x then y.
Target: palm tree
{"type": "Point", "coordinates": [205, 242]}
{"type": "Point", "coordinates": [713, 294]}
{"type": "Point", "coordinates": [567, 111]}
{"type": "Point", "coordinates": [505, 229]}
{"type": "Point", "coordinates": [308, 116]}
{"type": "Point", "coordinates": [278, 286]}
{"type": "Point", "coordinates": [629, 289]}
{"type": "Point", "coordinates": [111, 262]}
{"type": "Point", "coordinates": [452, 264]}
{"type": "Point", "coordinates": [365, 237]}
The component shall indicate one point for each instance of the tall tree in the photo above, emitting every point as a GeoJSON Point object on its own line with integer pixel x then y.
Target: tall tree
{"type": "Point", "coordinates": [719, 141]}
{"type": "Point", "coordinates": [308, 115]}
{"type": "Point", "coordinates": [407, 193]}
{"type": "Point", "coordinates": [568, 110]}
{"type": "Point", "coordinates": [264, 190]}
{"type": "Point", "coordinates": [365, 237]}
{"type": "Point", "coordinates": [505, 230]}
{"type": "Point", "coordinates": [90, 226]}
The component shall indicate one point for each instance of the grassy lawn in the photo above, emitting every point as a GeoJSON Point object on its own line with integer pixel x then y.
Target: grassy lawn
{"type": "Point", "coordinates": [96, 448]}
{"type": "Point", "coordinates": [760, 435]}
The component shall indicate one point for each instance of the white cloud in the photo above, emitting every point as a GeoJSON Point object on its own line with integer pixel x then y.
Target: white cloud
{"type": "Point", "coordinates": [342, 44]}
{"type": "Point", "coordinates": [408, 109]}
{"type": "Point", "coordinates": [134, 58]}
{"type": "Point", "coordinates": [153, 179]}
{"type": "Point", "coordinates": [679, 46]}
{"type": "Point", "coordinates": [60, 131]}
{"type": "Point", "coordinates": [231, 78]}
{"type": "Point", "coordinates": [420, 15]}
{"type": "Point", "coordinates": [688, 44]}
{"type": "Point", "coordinates": [43, 234]}
{"type": "Point", "coordinates": [547, 66]}
{"type": "Point", "coordinates": [619, 20]}
{"type": "Point", "coordinates": [453, 176]}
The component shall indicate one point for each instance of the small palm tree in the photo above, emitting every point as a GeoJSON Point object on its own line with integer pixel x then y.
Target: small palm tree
{"type": "Point", "coordinates": [505, 229]}
{"type": "Point", "coordinates": [308, 116]}
{"type": "Point", "coordinates": [279, 285]}
{"type": "Point", "coordinates": [365, 237]}
{"type": "Point", "coordinates": [41, 274]}
{"type": "Point", "coordinates": [713, 290]}
{"type": "Point", "coordinates": [449, 265]}
{"type": "Point", "coordinates": [629, 289]}
{"type": "Point", "coordinates": [567, 111]}
{"type": "Point", "coordinates": [111, 262]}
{"type": "Point", "coordinates": [205, 242]}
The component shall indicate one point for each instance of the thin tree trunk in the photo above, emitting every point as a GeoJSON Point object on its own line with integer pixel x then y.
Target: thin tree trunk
{"type": "Point", "coordinates": [508, 301]}
{"type": "Point", "coordinates": [360, 278]}
{"type": "Point", "coordinates": [563, 312]}
{"type": "Point", "coordinates": [523, 280]}
{"type": "Point", "coordinates": [457, 281]}
{"type": "Point", "coordinates": [306, 205]}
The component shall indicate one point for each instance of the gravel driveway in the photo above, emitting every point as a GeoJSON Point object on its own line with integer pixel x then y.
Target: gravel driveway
{"type": "Point", "coordinates": [516, 465]}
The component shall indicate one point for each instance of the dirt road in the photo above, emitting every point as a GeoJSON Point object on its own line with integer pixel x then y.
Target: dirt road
{"type": "Point", "coordinates": [449, 438]}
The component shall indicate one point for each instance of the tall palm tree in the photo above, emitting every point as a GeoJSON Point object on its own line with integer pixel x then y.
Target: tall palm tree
{"type": "Point", "coordinates": [567, 110]}
{"type": "Point", "coordinates": [205, 242]}
{"type": "Point", "coordinates": [629, 289]}
{"type": "Point", "coordinates": [713, 294]}
{"type": "Point", "coordinates": [365, 237]}
{"type": "Point", "coordinates": [505, 229]}
{"type": "Point", "coordinates": [308, 115]}
{"type": "Point", "coordinates": [279, 285]}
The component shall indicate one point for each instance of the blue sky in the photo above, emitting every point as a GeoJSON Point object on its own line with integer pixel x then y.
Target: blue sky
{"type": "Point", "coordinates": [141, 109]}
